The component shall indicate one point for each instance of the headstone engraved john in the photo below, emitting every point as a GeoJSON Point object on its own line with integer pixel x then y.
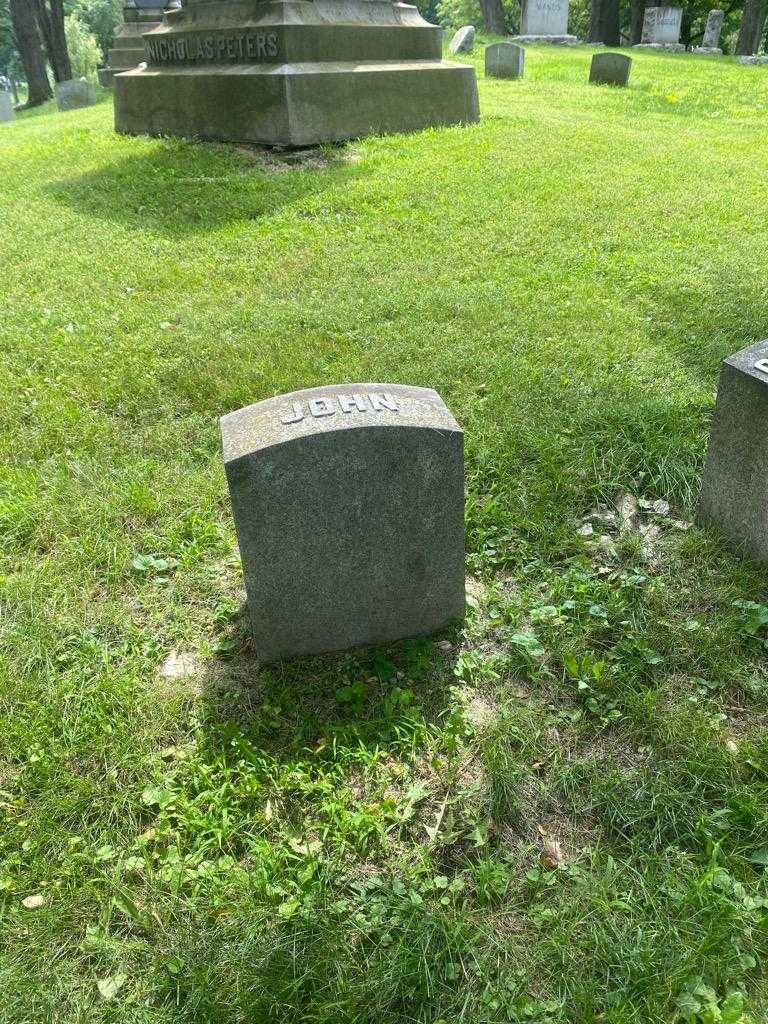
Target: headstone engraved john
{"type": "Point", "coordinates": [545, 21]}
{"type": "Point", "coordinates": [463, 40]}
{"type": "Point", "coordinates": [74, 93]}
{"type": "Point", "coordinates": [348, 503]}
{"type": "Point", "coordinates": [293, 74]}
{"type": "Point", "coordinates": [504, 60]}
{"type": "Point", "coordinates": [711, 41]}
{"type": "Point", "coordinates": [661, 28]}
{"type": "Point", "coordinates": [734, 490]}
{"type": "Point", "coordinates": [139, 16]}
{"type": "Point", "coordinates": [610, 69]}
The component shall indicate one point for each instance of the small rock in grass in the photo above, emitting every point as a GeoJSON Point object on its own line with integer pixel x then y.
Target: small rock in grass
{"type": "Point", "coordinates": [626, 507]}
{"type": "Point", "coordinates": [177, 665]}
{"type": "Point", "coordinates": [33, 902]}
{"type": "Point", "coordinates": [586, 530]}
{"type": "Point", "coordinates": [463, 40]}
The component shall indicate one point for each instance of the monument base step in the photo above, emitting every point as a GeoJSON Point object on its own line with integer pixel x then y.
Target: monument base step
{"type": "Point", "coordinates": [756, 59]}
{"type": "Point", "coordinates": [295, 104]}
{"type": "Point", "coordinates": [554, 40]}
{"type": "Point", "coordinates": [125, 57]}
{"type": "Point", "coordinates": [714, 50]}
{"type": "Point", "coordinates": [669, 47]}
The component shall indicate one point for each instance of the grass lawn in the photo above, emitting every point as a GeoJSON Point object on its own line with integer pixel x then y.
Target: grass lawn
{"type": "Point", "coordinates": [558, 814]}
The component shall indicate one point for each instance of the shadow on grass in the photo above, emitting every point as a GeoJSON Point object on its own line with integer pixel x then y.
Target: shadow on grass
{"type": "Point", "coordinates": [370, 700]}
{"type": "Point", "coordinates": [182, 189]}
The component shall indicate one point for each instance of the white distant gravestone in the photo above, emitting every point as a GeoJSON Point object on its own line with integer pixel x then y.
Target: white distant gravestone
{"type": "Point", "coordinates": [7, 113]}
{"type": "Point", "coordinates": [661, 28]}
{"type": "Point", "coordinates": [348, 503]}
{"type": "Point", "coordinates": [545, 21]}
{"type": "Point", "coordinates": [734, 489]}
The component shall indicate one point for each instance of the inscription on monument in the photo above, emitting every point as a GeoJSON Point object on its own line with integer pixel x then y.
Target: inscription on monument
{"type": "Point", "coordinates": [319, 407]}
{"type": "Point", "coordinates": [213, 49]}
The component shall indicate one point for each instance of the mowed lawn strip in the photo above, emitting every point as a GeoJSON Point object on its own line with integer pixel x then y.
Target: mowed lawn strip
{"type": "Point", "coordinates": [555, 814]}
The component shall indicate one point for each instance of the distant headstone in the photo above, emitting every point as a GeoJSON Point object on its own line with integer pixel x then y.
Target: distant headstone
{"type": "Point", "coordinates": [7, 113]}
{"type": "Point", "coordinates": [504, 60]}
{"type": "Point", "coordinates": [711, 41]}
{"type": "Point", "coordinates": [661, 28]}
{"type": "Point", "coordinates": [545, 21]}
{"type": "Point", "coordinates": [758, 58]}
{"type": "Point", "coordinates": [734, 491]}
{"type": "Point", "coordinates": [610, 69]}
{"type": "Point", "coordinates": [463, 40]}
{"type": "Point", "coordinates": [348, 502]}
{"type": "Point", "coordinates": [75, 93]}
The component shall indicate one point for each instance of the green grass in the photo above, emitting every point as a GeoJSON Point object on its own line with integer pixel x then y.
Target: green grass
{"type": "Point", "coordinates": [559, 815]}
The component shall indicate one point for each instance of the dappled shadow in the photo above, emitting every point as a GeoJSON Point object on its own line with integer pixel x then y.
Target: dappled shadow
{"type": "Point", "coordinates": [184, 188]}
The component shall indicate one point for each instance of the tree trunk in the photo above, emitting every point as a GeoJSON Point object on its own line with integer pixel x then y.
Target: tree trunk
{"type": "Point", "coordinates": [760, 28]}
{"type": "Point", "coordinates": [637, 16]}
{"type": "Point", "coordinates": [751, 22]}
{"type": "Point", "coordinates": [595, 31]}
{"type": "Point", "coordinates": [493, 17]}
{"type": "Point", "coordinates": [15, 90]}
{"type": "Point", "coordinates": [26, 38]}
{"type": "Point", "coordinates": [50, 16]}
{"type": "Point", "coordinates": [611, 24]}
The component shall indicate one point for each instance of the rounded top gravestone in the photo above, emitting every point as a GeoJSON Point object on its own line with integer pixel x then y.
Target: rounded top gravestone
{"type": "Point", "coordinates": [504, 60]}
{"type": "Point", "coordinates": [463, 40]}
{"type": "Point", "coordinates": [610, 69]}
{"type": "Point", "coordinates": [348, 503]}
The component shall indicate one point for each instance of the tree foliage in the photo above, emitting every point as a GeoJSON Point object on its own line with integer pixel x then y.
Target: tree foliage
{"type": "Point", "coordinates": [84, 51]}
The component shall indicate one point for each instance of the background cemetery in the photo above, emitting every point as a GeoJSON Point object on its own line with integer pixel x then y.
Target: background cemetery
{"type": "Point", "coordinates": [553, 811]}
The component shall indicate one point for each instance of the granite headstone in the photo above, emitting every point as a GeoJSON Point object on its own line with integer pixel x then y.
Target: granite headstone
{"type": "Point", "coordinates": [734, 491]}
{"type": "Point", "coordinates": [74, 93]}
{"type": "Point", "coordinates": [348, 503]}
{"type": "Point", "coordinates": [7, 113]}
{"type": "Point", "coordinates": [463, 40]}
{"type": "Point", "coordinates": [610, 69]}
{"type": "Point", "coordinates": [545, 21]}
{"type": "Point", "coordinates": [504, 60]}
{"type": "Point", "coordinates": [711, 41]}
{"type": "Point", "coordinates": [661, 28]}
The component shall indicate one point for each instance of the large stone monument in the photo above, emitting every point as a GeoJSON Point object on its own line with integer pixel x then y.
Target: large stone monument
{"type": "Point", "coordinates": [610, 69]}
{"type": "Point", "coordinates": [661, 29]}
{"type": "Point", "coordinates": [504, 60]}
{"type": "Point", "coordinates": [349, 508]}
{"type": "Point", "coordinates": [545, 21]}
{"type": "Point", "coordinates": [734, 490]}
{"type": "Point", "coordinates": [127, 52]}
{"type": "Point", "coordinates": [293, 73]}
{"type": "Point", "coordinates": [711, 41]}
